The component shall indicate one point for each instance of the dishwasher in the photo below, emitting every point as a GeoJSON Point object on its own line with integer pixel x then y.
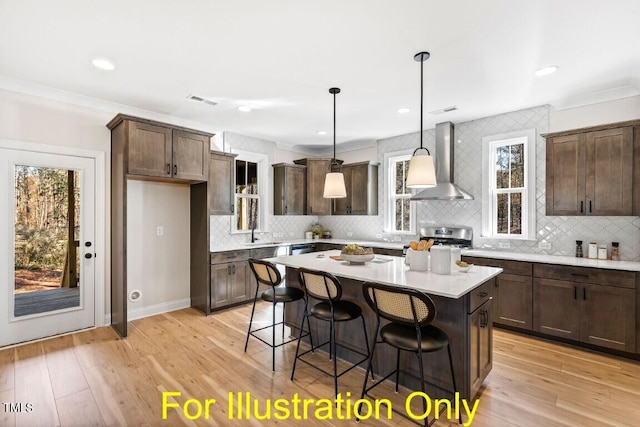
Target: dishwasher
{"type": "Point", "coordinates": [302, 248]}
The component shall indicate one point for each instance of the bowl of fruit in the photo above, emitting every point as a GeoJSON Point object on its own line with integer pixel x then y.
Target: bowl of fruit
{"type": "Point", "coordinates": [463, 266]}
{"type": "Point", "coordinates": [356, 254]}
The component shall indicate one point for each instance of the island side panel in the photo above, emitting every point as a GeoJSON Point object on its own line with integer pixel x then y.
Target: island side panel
{"type": "Point", "coordinates": [451, 318]}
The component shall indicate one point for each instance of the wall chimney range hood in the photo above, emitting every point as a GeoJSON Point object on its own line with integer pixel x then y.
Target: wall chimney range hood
{"type": "Point", "coordinates": [446, 189]}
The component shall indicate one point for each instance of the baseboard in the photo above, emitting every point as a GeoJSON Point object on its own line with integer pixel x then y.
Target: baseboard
{"type": "Point", "coordinates": [151, 310]}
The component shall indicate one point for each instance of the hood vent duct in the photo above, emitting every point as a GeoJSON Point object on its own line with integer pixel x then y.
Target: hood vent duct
{"type": "Point", "coordinates": [446, 189]}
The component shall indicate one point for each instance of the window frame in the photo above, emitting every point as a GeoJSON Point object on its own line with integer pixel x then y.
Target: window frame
{"type": "Point", "coordinates": [262, 161]}
{"type": "Point", "coordinates": [390, 197]}
{"type": "Point", "coordinates": [490, 192]}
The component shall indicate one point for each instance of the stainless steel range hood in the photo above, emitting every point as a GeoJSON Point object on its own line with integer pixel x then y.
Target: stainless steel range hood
{"type": "Point", "coordinates": [446, 189]}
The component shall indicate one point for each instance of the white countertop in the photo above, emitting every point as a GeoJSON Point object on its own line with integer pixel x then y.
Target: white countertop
{"type": "Point", "coordinates": [393, 272]}
{"type": "Point", "coordinates": [265, 244]}
{"type": "Point", "coordinates": [554, 259]}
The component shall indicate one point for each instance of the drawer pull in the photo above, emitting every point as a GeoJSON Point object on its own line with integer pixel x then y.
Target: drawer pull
{"type": "Point", "coordinates": [575, 292]}
{"type": "Point", "coordinates": [483, 294]}
{"type": "Point", "coordinates": [580, 275]}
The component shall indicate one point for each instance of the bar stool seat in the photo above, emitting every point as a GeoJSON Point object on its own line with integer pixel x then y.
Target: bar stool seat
{"type": "Point", "coordinates": [342, 311]}
{"type": "Point", "coordinates": [404, 337]}
{"type": "Point", "coordinates": [266, 273]}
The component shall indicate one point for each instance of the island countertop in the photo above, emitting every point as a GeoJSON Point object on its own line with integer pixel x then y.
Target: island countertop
{"type": "Point", "coordinates": [391, 270]}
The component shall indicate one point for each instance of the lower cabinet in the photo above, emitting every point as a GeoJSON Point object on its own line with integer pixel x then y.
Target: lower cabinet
{"type": "Point", "coordinates": [513, 293]}
{"type": "Point", "coordinates": [602, 314]}
{"type": "Point", "coordinates": [230, 282]}
{"type": "Point", "coordinates": [480, 344]}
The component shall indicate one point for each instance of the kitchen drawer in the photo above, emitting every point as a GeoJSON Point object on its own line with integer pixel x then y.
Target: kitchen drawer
{"type": "Point", "coordinates": [230, 256]}
{"type": "Point", "coordinates": [508, 266]}
{"type": "Point", "coordinates": [601, 276]}
{"type": "Point", "coordinates": [481, 294]}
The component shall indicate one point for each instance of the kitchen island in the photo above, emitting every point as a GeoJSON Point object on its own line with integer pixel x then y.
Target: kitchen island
{"type": "Point", "coordinates": [463, 303]}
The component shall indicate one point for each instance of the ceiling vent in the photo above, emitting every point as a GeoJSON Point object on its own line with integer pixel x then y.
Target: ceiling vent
{"type": "Point", "coordinates": [443, 110]}
{"type": "Point", "coordinates": [201, 99]}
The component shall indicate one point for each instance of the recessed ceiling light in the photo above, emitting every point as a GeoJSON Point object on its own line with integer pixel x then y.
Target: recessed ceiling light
{"type": "Point", "coordinates": [547, 70]}
{"type": "Point", "coordinates": [103, 64]}
{"type": "Point", "coordinates": [244, 108]}
{"type": "Point", "coordinates": [322, 132]}
{"type": "Point", "coordinates": [403, 110]}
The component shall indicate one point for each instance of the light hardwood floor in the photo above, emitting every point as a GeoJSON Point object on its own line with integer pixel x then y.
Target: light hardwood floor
{"type": "Point", "coordinates": [93, 378]}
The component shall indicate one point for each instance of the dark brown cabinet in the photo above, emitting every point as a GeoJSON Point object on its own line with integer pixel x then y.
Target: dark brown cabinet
{"type": "Point", "coordinates": [480, 326]}
{"type": "Point", "coordinates": [361, 181]}
{"type": "Point", "coordinates": [289, 189]}
{"type": "Point", "coordinates": [221, 183]}
{"type": "Point", "coordinates": [316, 171]}
{"type": "Point", "coordinates": [589, 305]}
{"type": "Point", "coordinates": [163, 152]}
{"type": "Point", "coordinates": [513, 293]}
{"type": "Point", "coordinates": [590, 171]}
{"type": "Point", "coordinates": [229, 278]}
{"type": "Point", "coordinates": [143, 149]}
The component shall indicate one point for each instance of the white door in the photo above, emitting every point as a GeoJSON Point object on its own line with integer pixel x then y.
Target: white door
{"type": "Point", "coordinates": [47, 231]}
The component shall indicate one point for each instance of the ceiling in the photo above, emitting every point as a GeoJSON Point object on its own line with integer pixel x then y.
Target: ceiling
{"type": "Point", "coordinates": [282, 56]}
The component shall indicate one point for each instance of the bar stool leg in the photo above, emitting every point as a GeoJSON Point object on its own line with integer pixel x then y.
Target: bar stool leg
{"type": "Point", "coordinates": [397, 368]}
{"type": "Point", "coordinates": [422, 386]}
{"type": "Point", "coordinates": [251, 319]}
{"type": "Point", "coordinates": [273, 336]}
{"type": "Point", "coordinates": [284, 307]}
{"type": "Point", "coordinates": [366, 342]}
{"type": "Point", "coordinates": [335, 358]}
{"type": "Point", "coordinates": [295, 359]}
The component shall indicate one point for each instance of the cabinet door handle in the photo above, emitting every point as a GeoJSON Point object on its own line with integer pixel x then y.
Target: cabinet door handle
{"type": "Point", "coordinates": [168, 168]}
{"type": "Point", "coordinates": [175, 169]}
{"type": "Point", "coordinates": [232, 208]}
{"type": "Point", "coordinates": [286, 209]}
{"type": "Point", "coordinates": [484, 321]}
{"type": "Point", "coordinates": [228, 270]}
{"type": "Point", "coordinates": [584, 294]}
{"type": "Point", "coordinates": [590, 206]}
{"type": "Point", "coordinates": [581, 206]}
{"type": "Point", "coordinates": [233, 269]}
{"type": "Point", "coordinates": [575, 292]}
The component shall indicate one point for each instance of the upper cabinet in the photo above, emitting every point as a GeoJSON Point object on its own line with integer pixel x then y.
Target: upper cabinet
{"type": "Point", "coordinates": [316, 171]}
{"type": "Point", "coordinates": [289, 189]}
{"type": "Point", "coordinates": [221, 183]}
{"type": "Point", "coordinates": [361, 181]}
{"type": "Point", "coordinates": [159, 150]}
{"type": "Point", "coordinates": [590, 171]}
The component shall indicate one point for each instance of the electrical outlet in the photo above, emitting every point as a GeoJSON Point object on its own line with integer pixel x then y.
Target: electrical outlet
{"type": "Point", "coordinates": [397, 238]}
{"type": "Point", "coordinates": [349, 234]}
{"type": "Point", "coordinates": [378, 236]}
{"type": "Point", "coordinates": [160, 231]}
{"type": "Point", "coordinates": [504, 245]}
{"type": "Point", "coordinates": [544, 245]}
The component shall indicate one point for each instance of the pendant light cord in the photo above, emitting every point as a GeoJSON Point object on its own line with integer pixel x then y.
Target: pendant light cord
{"type": "Point", "coordinates": [334, 91]}
{"type": "Point", "coordinates": [422, 56]}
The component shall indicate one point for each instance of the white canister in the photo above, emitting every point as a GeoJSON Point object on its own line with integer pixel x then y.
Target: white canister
{"type": "Point", "coordinates": [308, 235]}
{"type": "Point", "coordinates": [602, 252]}
{"type": "Point", "coordinates": [441, 259]}
{"type": "Point", "coordinates": [418, 260]}
{"type": "Point", "coordinates": [593, 250]}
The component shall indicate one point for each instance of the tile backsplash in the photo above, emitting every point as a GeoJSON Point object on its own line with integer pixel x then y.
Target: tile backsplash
{"type": "Point", "coordinates": [559, 232]}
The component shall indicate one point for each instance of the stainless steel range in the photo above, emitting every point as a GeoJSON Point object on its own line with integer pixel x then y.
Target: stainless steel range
{"type": "Point", "coordinates": [461, 237]}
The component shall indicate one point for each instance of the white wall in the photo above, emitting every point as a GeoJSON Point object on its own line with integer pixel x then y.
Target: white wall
{"type": "Point", "coordinates": [594, 114]}
{"type": "Point", "coordinates": [29, 118]}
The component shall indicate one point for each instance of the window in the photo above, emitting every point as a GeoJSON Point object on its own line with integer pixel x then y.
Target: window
{"type": "Point", "coordinates": [250, 192]}
{"type": "Point", "coordinates": [399, 211]}
{"type": "Point", "coordinates": [508, 208]}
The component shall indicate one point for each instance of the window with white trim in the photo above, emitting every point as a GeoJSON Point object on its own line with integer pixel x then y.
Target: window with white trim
{"type": "Point", "coordinates": [508, 209]}
{"type": "Point", "coordinates": [251, 184]}
{"type": "Point", "coordinates": [399, 211]}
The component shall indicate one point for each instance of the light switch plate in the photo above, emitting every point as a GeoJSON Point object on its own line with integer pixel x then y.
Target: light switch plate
{"type": "Point", "coordinates": [160, 231]}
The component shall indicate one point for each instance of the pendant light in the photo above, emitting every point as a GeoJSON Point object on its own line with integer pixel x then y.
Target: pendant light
{"type": "Point", "coordinates": [334, 187]}
{"type": "Point", "coordinates": [422, 173]}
